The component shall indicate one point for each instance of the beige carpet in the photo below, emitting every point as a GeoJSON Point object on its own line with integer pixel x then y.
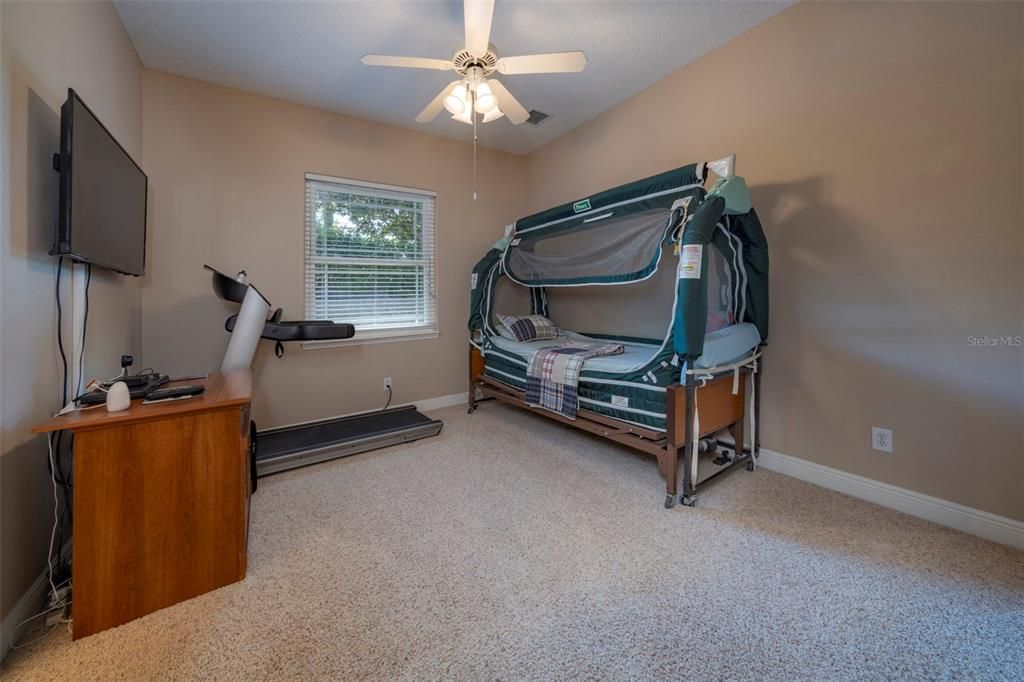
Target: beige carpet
{"type": "Point", "coordinates": [510, 547]}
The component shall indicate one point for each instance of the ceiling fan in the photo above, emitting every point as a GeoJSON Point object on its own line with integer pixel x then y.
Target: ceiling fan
{"type": "Point", "coordinates": [474, 90]}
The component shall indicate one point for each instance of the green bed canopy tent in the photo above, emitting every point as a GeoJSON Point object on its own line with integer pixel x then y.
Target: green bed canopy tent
{"type": "Point", "coordinates": [649, 395]}
{"type": "Point", "coordinates": [624, 235]}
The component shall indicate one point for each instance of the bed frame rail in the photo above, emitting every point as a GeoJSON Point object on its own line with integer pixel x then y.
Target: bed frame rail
{"type": "Point", "coordinates": [718, 407]}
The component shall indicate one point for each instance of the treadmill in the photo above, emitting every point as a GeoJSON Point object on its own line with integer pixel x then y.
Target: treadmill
{"type": "Point", "coordinates": [288, 447]}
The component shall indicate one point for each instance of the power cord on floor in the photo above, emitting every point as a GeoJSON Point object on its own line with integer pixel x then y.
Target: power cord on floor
{"type": "Point", "coordinates": [53, 628]}
{"type": "Point", "coordinates": [55, 601]}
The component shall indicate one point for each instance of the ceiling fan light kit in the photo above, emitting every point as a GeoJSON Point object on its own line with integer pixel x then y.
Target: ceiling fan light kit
{"type": "Point", "coordinates": [485, 101]}
{"type": "Point", "coordinates": [456, 103]}
{"type": "Point", "coordinates": [475, 93]}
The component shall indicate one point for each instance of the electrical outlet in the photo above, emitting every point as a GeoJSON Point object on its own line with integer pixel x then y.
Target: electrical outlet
{"type": "Point", "coordinates": [881, 439]}
{"type": "Point", "coordinates": [387, 383]}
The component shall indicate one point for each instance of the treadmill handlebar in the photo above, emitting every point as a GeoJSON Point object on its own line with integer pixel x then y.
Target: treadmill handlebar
{"type": "Point", "coordinates": [276, 329]}
{"type": "Point", "coordinates": [301, 330]}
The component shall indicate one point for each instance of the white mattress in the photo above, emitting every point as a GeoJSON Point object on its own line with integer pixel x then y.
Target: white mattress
{"type": "Point", "coordinates": [721, 347]}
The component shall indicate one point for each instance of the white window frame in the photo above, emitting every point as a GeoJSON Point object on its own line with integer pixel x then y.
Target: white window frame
{"type": "Point", "coordinates": [430, 331]}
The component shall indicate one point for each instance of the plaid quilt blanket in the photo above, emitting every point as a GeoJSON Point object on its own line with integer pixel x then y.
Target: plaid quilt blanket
{"type": "Point", "coordinates": [554, 372]}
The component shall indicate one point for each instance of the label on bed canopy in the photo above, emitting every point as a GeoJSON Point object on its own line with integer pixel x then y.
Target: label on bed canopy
{"type": "Point", "coordinates": [581, 206]}
{"type": "Point", "coordinates": [690, 261]}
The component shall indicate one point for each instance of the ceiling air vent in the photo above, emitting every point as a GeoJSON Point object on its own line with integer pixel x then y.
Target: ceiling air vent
{"type": "Point", "coordinates": [536, 117]}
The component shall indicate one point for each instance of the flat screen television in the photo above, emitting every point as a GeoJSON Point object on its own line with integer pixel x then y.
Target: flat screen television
{"type": "Point", "coordinates": [102, 195]}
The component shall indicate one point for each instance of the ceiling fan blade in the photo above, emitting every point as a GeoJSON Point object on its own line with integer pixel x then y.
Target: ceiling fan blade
{"type": "Point", "coordinates": [407, 62]}
{"type": "Point", "coordinates": [507, 103]}
{"type": "Point", "coordinates": [555, 62]}
{"type": "Point", "coordinates": [435, 106]}
{"type": "Point", "coordinates": [477, 15]}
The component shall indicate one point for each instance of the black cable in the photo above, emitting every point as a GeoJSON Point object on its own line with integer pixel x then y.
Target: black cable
{"type": "Point", "coordinates": [60, 335]}
{"type": "Point", "coordinates": [59, 475]}
{"type": "Point", "coordinates": [64, 360]}
{"type": "Point", "coordinates": [81, 379]}
{"type": "Point", "coordinates": [68, 482]}
{"type": "Point", "coordinates": [65, 483]}
{"type": "Point", "coordinates": [389, 400]}
{"type": "Point", "coordinates": [85, 326]}
{"type": "Point", "coordinates": [55, 442]}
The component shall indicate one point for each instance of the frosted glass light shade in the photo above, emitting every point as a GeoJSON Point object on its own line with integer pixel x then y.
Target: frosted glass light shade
{"type": "Point", "coordinates": [455, 103]}
{"type": "Point", "coordinates": [485, 100]}
{"type": "Point", "coordinates": [493, 115]}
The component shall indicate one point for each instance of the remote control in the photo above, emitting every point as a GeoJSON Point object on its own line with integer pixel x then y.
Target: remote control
{"type": "Point", "coordinates": [174, 392]}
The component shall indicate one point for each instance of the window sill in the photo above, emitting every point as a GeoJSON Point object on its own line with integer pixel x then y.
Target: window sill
{"type": "Point", "coordinates": [374, 336]}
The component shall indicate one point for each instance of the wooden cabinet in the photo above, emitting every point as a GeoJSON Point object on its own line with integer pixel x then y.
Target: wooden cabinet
{"type": "Point", "coordinates": [161, 502]}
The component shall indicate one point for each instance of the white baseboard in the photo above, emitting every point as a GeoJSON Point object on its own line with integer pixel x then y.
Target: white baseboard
{"type": "Point", "coordinates": [981, 523]}
{"type": "Point", "coordinates": [442, 401]}
{"type": "Point", "coordinates": [425, 404]}
{"type": "Point", "coordinates": [29, 605]}
{"type": "Point", "coordinates": [967, 519]}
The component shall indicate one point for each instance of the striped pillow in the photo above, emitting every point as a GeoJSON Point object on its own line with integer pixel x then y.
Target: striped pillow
{"type": "Point", "coordinates": [530, 328]}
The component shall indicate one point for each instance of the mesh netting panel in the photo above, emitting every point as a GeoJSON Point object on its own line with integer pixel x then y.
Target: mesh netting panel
{"type": "Point", "coordinates": [622, 250]}
{"type": "Point", "coordinates": [721, 312]}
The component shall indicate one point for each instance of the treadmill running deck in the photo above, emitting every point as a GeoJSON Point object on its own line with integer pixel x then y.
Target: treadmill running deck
{"type": "Point", "coordinates": [294, 446]}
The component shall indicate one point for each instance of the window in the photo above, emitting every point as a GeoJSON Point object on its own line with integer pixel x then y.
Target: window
{"type": "Point", "coordinates": [370, 257]}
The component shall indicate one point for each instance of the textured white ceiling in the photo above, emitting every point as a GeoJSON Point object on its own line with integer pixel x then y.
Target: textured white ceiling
{"type": "Point", "coordinates": [308, 52]}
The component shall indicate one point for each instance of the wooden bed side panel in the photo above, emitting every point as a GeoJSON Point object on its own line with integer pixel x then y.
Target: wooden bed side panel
{"type": "Point", "coordinates": [476, 364]}
{"type": "Point", "coordinates": [675, 414]}
{"type": "Point", "coordinates": [717, 406]}
{"type": "Point", "coordinates": [476, 370]}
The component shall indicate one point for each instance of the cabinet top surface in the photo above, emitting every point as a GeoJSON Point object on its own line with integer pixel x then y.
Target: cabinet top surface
{"type": "Point", "coordinates": [226, 390]}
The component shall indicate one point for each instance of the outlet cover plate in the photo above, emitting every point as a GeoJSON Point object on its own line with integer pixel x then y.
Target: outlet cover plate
{"type": "Point", "coordinates": [881, 439]}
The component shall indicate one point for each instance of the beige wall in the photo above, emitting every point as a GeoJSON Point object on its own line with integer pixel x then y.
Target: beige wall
{"type": "Point", "coordinates": [227, 188]}
{"type": "Point", "coordinates": [883, 144]}
{"type": "Point", "coordinates": [48, 47]}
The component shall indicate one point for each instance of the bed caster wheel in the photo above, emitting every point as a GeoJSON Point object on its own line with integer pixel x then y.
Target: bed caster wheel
{"type": "Point", "coordinates": [687, 501]}
{"type": "Point", "coordinates": [670, 501]}
{"type": "Point", "coordinates": [471, 410]}
{"type": "Point", "coordinates": [750, 466]}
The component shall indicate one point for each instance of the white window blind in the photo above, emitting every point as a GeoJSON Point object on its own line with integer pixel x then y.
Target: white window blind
{"type": "Point", "coordinates": [370, 257]}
